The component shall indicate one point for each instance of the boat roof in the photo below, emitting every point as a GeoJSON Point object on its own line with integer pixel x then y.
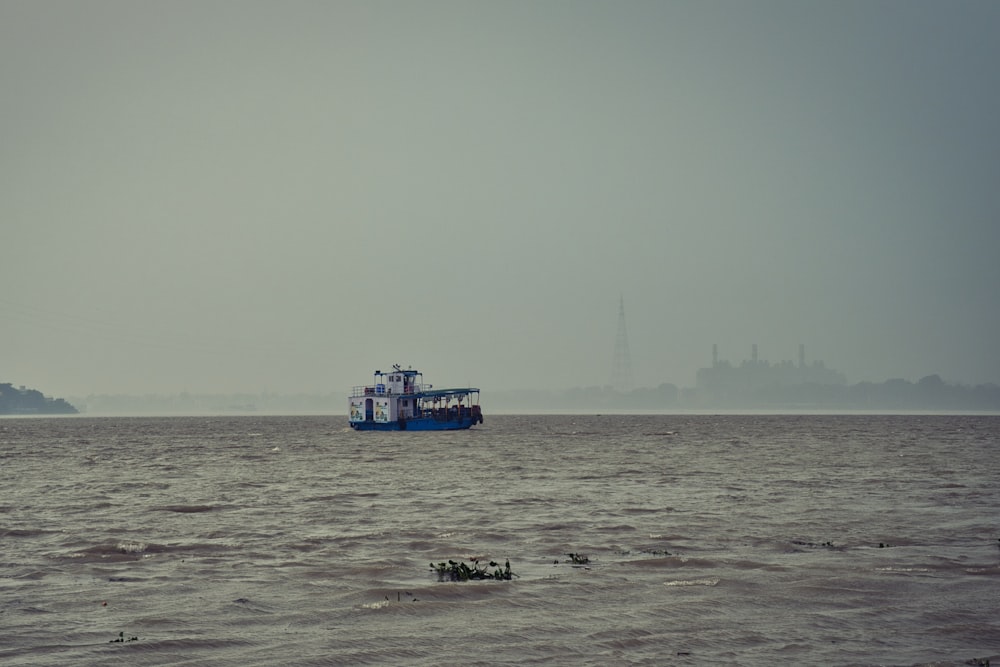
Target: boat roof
{"type": "Point", "coordinates": [401, 371]}
{"type": "Point", "coordinates": [431, 393]}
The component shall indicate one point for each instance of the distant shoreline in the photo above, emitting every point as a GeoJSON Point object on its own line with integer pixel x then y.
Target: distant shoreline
{"type": "Point", "coordinates": [930, 395]}
{"type": "Point", "coordinates": [25, 401]}
{"type": "Point", "coordinates": [527, 412]}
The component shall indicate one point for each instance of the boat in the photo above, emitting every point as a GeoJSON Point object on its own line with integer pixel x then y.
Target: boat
{"type": "Point", "coordinates": [400, 400]}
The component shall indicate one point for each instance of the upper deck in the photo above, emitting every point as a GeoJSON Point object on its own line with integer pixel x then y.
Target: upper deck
{"type": "Point", "coordinates": [400, 382]}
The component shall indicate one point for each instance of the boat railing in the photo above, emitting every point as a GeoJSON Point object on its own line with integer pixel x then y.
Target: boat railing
{"type": "Point", "coordinates": [451, 412]}
{"type": "Point", "coordinates": [416, 388]}
{"type": "Point", "coordinates": [383, 390]}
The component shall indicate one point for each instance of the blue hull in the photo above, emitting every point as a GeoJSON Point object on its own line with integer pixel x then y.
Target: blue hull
{"type": "Point", "coordinates": [416, 424]}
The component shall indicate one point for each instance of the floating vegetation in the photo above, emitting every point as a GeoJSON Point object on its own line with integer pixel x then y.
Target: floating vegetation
{"type": "Point", "coordinates": [574, 559]}
{"type": "Point", "coordinates": [452, 571]}
{"type": "Point", "coordinates": [121, 639]}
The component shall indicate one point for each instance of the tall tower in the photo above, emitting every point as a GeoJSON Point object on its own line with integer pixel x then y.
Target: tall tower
{"type": "Point", "coordinates": [621, 371]}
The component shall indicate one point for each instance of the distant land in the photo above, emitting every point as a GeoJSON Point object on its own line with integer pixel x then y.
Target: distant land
{"type": "Point", "coordinates": [753, 385]}
{"type": "Point", "coordinates": [928, 394]}
{"type": "Point", "coordinates": [187, 403]}
{"type": "Point", "coordinates": [24, 401]}
{"type": "Point", "coordinates": [757, 384]}
{"type": "Point", "coordinates": [737, 392]}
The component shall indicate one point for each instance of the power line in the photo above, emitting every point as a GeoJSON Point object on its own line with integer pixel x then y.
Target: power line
{"type": "Point", "coordinates": [621, 370]}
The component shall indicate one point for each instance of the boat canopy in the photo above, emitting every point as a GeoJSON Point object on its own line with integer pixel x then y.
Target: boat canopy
{"type": "Point", "coordinates": [435, 393]}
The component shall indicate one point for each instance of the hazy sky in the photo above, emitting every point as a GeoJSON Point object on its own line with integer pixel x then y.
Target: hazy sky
{"type": "Point", "coordinates": [221, 196]}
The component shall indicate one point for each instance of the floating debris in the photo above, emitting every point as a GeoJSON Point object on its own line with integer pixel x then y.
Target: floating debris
{"type": "Point", "coordinates": [400, 599]}
{"type": "Point", "coordinates": [578, 559]}
{"type": "Point", "coordinates": [452, 571]}
{"type": "Point", "coordinates": [651, 552]}
{"type": "Point", "coordinates": [828, 545]}
{"type": "Point", "coordinates": [121, 639]}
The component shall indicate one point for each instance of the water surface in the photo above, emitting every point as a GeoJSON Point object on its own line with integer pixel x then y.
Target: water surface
{"type": "Point", "coordinates": [747, 540]}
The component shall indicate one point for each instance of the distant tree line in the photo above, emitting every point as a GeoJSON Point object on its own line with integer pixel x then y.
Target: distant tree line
{"type": "Point", "coordinates": [763, 373]}
{"type": "Point", "coordinates": [195, 404]}
{"type": "Point", "coordinates": [929, 393]}
{"type": "Point", "coordinates": [22, 401]}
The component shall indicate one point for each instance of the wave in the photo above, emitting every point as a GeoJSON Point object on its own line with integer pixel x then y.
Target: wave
{"type": "Point", "coordinates": [712, 581]}
{"type": "Point", "coordinates": [27, 532]}
{"type": "Point", "coordinates": [126, 550]}
{"type": "Point", "coordinates": [184, 509]}
{"type": "Point", "coordinates": [674, 561]}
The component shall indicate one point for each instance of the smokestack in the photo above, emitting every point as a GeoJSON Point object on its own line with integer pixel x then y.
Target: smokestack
{"type": "Point", "coordinates": [715, 355]}
{"type": "Point", "coordinates": [755, 353]}
{"type": "Point", "coordinates": [802, 355]}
